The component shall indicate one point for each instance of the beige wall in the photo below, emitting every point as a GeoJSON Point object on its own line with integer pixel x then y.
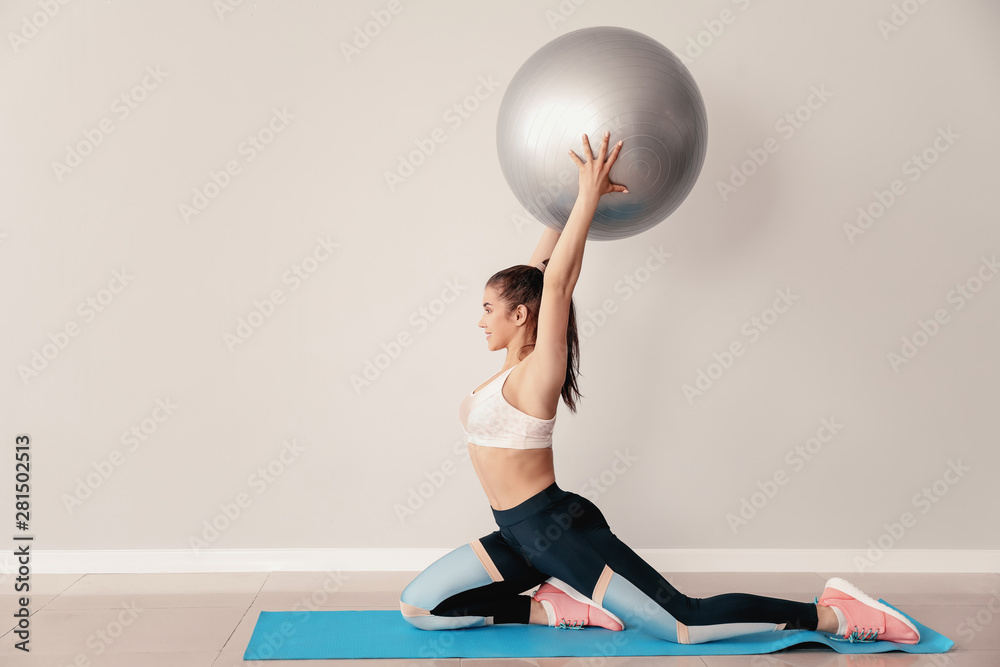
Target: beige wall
{"type": "Point", "coordinates": [168, 288]}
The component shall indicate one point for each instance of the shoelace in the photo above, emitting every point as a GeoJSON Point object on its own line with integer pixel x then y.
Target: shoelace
{"type": "Point", "coordinates": [570, 625]}
{"type": "Point", "coordinates": [858, 636]}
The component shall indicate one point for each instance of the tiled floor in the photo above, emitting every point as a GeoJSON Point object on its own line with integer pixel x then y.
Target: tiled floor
{"type": "Point", "coordinates": [203, 620]}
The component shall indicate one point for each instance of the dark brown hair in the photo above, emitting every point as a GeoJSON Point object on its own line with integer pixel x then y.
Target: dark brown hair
{"type": "Point", "coordinates": [522, 285]}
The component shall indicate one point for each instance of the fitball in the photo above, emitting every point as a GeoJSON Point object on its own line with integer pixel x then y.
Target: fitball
{"type": "Point", "coordinates": [587, 82]}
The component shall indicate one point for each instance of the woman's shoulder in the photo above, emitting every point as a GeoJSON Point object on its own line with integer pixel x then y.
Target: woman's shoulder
{"type": "Point", "coordinates": [523, 391]}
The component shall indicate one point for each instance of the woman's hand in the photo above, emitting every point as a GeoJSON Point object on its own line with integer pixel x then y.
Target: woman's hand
{"type": "Point", "coordinates": [594, 179]}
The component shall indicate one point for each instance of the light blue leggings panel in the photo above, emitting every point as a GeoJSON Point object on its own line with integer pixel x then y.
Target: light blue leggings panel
{"type": "Point", "coordinates": [457, 571]}
{"type": "Point", "coordinates": [638, 610]}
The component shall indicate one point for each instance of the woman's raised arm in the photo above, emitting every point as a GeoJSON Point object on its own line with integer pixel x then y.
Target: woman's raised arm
{"type": "Point", "coordinates": [548, 370]}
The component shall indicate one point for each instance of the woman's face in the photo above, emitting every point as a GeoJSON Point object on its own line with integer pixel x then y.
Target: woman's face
{"type": "Point", "coordinates": [499, 327]}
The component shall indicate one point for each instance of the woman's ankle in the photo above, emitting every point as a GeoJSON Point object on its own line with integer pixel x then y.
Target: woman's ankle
{"type": "Point", "coordinates": [538, 615]}
{"type": "Point", "coordinates": [827, 620]}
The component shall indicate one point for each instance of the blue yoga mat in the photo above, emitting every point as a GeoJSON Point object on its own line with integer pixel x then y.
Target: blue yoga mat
{"type": "Point", "coordinates": [286, 635]}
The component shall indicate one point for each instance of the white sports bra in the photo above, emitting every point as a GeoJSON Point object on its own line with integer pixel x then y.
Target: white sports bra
{"type": "Point", "coordinates": [489, 420]}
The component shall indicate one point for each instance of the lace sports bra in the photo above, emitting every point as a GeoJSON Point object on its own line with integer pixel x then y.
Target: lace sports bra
{"type": "Point", "coordinates": [489, 420]}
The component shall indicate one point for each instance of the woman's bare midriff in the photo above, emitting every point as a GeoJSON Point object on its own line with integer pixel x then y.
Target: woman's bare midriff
{"type": "Point", "coordinates": [511, 476]}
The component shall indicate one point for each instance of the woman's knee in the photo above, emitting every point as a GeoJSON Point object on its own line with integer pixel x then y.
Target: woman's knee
{"type": "Point", "coordinates": [420, 596]}
{"type": "Point", "coordinates": [417, 610]}
{"type": "Point", "coordinates": [412, 604]}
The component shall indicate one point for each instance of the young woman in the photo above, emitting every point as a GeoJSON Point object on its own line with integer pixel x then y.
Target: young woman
{"type": "Point", "coordinates": [559, 541]}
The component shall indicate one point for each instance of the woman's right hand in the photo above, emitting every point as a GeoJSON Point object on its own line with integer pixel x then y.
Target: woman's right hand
{"type": "Point", "coordinates": [594, 172]}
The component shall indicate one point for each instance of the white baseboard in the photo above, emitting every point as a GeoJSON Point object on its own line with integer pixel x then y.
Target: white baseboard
{"type": "Point", "coordinates": [414, 560]}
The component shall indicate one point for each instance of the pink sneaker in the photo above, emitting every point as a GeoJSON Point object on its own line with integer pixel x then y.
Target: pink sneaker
{"type": "Point", "coordinates": [868, 620]}
{"type": "Point", "coordinates": [567, 608]}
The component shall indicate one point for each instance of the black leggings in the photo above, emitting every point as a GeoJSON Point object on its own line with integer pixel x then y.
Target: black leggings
{"type": "Point", "coordinates": [561, 534]}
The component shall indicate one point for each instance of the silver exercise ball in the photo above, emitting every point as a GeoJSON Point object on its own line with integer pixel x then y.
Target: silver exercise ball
{"type": "Point", "coordinates": [587, 82]}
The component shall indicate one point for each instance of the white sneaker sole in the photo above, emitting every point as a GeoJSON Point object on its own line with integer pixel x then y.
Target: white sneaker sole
{"type": "Point", "coordinates": [845, 586]}
{"type": "Point", "coordinates": [580, 597]}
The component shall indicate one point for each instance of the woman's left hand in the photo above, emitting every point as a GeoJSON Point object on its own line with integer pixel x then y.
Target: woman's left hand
{"type": "Point", "coordinates": [594, 173]}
